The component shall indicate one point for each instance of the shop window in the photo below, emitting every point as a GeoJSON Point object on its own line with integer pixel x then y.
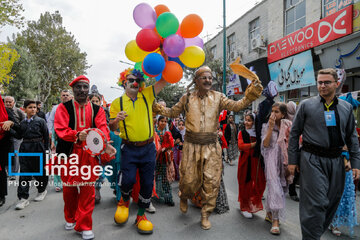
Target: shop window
{"type": "Point", "coordinates": [295, 15]}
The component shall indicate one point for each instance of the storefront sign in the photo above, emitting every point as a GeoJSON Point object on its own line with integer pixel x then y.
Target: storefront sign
{"type": "Point", "coordinates": [293, 72]}
{"type": "Point", "coordinates": [332, 6]}
{"type": "Point", "coordinates": [356, 19]}
{"type": "Point", "coordinates": [234, 86]}
{"type": "Point", "coordinates": [327, 29]}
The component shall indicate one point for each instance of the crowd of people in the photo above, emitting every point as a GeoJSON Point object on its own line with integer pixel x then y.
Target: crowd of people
{"type": "Point", "coordinates": [149, 146]}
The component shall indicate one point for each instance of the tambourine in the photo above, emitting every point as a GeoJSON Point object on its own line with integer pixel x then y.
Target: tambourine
{"type": "Point", "coordinates": [95, 143]}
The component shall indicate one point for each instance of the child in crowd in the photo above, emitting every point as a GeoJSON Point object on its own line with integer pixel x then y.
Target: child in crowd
{"type": "Point", "coordinates": [34, 132]}
{"type": "Point", "coordinates": [250, 175]}
{"type": "Point", "coordinates": [274, 149]}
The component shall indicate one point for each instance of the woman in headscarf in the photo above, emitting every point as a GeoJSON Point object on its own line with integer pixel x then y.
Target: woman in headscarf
{"type": "Point", "coordinates": [250, 175]}
{"type": "Point", "coordinates": [274, 150]}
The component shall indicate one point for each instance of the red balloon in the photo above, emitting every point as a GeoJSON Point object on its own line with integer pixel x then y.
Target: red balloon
{"type": "Point", "coordinates": [173, 72]}
{"type": "Point", "coordinates": [148, 40]}
{"type": "Point", "coordinates": [149, 75]}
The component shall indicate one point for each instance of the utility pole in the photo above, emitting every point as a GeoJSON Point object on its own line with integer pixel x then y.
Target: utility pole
{"type": "Point", "coordinates": [224, 49]}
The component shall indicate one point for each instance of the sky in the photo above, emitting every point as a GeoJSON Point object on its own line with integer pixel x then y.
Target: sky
{"type": "Point", "coordinates": [103, 28]}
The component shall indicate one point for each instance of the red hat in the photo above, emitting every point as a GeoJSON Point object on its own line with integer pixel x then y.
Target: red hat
{"type": "Point", "coordinates": [80, 78]}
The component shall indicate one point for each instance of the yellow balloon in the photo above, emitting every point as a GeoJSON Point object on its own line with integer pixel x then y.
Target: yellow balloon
{"type": "Point", "coordinates": [134, 53]}
{"type": "Point", "coordinates": [192, 57]}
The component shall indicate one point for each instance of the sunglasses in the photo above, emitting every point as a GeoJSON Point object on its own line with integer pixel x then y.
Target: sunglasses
{"type": "Point", "coordinates": [131, 80]}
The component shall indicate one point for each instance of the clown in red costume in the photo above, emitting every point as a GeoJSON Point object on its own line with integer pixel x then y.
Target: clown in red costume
{"type": "Point", "coordinates": [72, 118]}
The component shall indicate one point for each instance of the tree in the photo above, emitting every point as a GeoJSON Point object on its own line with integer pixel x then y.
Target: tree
{"type": "Point", "coordinates": [55, 51]}
{"type": "Point", "coordinates": [7, 58]}
{"type": "Point", "coordinates": [10, 13]}
{"type": "Point", "coordinates": [170, 94]}
{"type": "Point", "coordinates": [27, 76]}
{"type": "Point", "coordinates": [216, 65]}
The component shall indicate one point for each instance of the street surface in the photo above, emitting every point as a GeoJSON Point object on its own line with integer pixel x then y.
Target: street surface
{"type": "Point", "coordinates": [45, 220]}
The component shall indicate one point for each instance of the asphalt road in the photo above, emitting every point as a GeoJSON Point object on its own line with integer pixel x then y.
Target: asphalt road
{"type": "Point", "coordinates": [45, 220]}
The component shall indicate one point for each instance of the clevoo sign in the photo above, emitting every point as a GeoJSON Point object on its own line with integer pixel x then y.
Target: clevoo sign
{"type": "Point", "coordinates": [325, 30]}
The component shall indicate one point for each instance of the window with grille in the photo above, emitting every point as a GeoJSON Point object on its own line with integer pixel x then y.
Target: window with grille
{"type": "Point", "coordinates": [254, 31]}
{"type": "Point", "coordinates": [213, 51]}
{"type": "Point", "coordinates": [231, 45]}
{"type": "Point", "coordinates": [295, 15]}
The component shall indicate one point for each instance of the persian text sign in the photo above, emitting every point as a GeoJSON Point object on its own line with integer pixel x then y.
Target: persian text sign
{"type": "Point", "coordinates": [293, 72]}
{"type": "Point", "coordinates": [325, 30]}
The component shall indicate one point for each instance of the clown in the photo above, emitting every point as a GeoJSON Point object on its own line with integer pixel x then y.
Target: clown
{"type": "Point", "coordinates": [132, 115]}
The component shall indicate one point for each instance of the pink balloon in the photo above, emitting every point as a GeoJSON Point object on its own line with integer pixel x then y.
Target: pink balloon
{"type": "Point", "coordinates": [196, 41]}
{"type": "Point", "coordinates": [174, 45]}
{"type": "Point", "coordinates": [144, 16]}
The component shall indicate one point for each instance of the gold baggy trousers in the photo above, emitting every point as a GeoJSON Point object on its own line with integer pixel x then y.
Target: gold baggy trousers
{"type": "Point", "coordinates": [200, 169]}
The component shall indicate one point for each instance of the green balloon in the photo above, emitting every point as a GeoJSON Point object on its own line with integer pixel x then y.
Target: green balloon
{"type": "Point", "coordinates": [138, 66]}
{"type": "Point", "coordinates": [167, 24]}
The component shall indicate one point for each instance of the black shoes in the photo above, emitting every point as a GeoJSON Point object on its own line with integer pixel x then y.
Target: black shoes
{"type": "Point", "coordinates": [295, 198]}
{"type": "Point", "coordinates": [2, 201]}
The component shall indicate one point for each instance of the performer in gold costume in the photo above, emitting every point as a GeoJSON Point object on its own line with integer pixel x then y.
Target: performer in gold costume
{"type": "Point", "coordinates": [201, 167]}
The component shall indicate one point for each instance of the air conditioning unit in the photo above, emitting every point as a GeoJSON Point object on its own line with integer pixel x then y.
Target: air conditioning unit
{"type": "Point", "coordinates": [257, 43]}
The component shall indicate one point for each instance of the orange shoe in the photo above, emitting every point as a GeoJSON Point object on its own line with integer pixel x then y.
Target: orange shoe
{"type": "Point", "coordinates": [144, 226]}
{"type": "Point", "coordinates": [122, 212]}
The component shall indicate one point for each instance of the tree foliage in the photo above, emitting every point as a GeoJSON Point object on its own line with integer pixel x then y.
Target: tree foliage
{"type": "Point", "coordinates": [7, 58]}
{"type": "Point", "coordinates": [54, 51]}
{"type": "Point", "coordinates": [10, 13]}
{"type": "Point", "coordinates": [216, 65]}
{"type": "Point", "coordinates": [27, 76]}
{"type": "Point", "coordinates": [170, 94]}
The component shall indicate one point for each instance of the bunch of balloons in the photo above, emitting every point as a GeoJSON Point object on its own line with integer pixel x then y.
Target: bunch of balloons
{"type": "Point", "coordinates": [163, 46]}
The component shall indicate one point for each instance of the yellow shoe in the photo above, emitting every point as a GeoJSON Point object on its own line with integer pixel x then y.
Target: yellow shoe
{"type": "Point", "coordinates": [144, 226]}
{"type": "Point", "coordinates": [122, 212]}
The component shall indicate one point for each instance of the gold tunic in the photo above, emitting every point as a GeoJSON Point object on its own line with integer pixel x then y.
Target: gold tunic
{"type": "Point", "coordinates": [201, 166]}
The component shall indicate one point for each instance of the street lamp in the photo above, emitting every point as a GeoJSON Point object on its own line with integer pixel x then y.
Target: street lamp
{"type": "Point", "coordinates": [117, 88]}
{"type": "Point", "coordinates": [224, 49]}
{"type": "Point", "coordinates": [126, 63]}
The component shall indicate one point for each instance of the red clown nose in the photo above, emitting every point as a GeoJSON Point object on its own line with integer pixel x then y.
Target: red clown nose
{"type": "Point", "coordinates": [135, 84]}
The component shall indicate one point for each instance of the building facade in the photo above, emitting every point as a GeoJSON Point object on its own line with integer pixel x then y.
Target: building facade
{"type": "Point", "coordinates": [296, 38]}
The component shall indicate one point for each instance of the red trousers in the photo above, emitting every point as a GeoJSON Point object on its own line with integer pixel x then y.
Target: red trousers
{"type": "Point", "coordinates": [79, 205]}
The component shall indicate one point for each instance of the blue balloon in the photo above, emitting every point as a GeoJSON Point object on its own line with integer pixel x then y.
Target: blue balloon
{"type": "Point", "coordinates": [154, 64]}
{"type": "Point", "coordinates": [177, 60]}
{"type": "Point", "coordinates": [158, 77]}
